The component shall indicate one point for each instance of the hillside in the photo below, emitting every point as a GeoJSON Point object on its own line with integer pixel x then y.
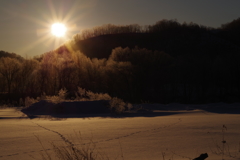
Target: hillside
{"type": "Point", "coordinates": [165, 62]}
{"type": "Point", "coordinates": [10, 55]}
{"type": "Point", "coordinates": [182, 39]}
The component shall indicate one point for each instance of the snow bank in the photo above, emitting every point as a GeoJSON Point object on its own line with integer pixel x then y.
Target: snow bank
{"type": "Point", "coordinates": [44, 107]}
{"type": "Point", "coordinates": [211, 107]}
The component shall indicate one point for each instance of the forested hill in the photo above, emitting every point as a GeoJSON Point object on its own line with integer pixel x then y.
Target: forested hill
{"type": "Point", "coordinates": [169, 36]}
{"type": "Point", "coordinates": [10, 55]}
{"type": "Point", "coordinates": [166, 62]}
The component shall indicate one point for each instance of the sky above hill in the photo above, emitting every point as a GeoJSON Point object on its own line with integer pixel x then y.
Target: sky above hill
{"type": "Point", "coordinates": [25, 24]}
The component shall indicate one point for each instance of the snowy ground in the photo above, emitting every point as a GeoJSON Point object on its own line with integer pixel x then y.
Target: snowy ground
{"type": "Point", "coordinates": [184, 132]}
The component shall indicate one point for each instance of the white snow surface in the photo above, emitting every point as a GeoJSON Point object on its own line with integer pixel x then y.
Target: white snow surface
{"type": "Point", "coordinates": [175, 131]}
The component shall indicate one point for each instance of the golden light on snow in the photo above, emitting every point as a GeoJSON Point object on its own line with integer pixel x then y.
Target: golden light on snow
{"type": "Point", "coordinates": [58, 29]}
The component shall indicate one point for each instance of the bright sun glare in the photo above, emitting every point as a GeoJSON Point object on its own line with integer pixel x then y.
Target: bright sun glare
{"type": "Point", "coordinates": [58, 29]}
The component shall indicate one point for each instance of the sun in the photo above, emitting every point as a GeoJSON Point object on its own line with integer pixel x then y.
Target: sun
{"type": "Point", "coordinates": [58, 29]}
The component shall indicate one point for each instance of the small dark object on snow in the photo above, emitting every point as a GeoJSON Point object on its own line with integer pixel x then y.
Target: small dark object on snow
{"type": "Point", "coordinates": [201, 157]}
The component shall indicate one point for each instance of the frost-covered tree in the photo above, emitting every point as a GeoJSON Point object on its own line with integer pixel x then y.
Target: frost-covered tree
{"type": "Point", "coordinates": [9, 69]}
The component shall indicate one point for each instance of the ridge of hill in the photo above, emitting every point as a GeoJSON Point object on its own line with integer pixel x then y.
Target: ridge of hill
{"type": "Point", "coordinates": [177, 41]}
{"type": "Point", "coordinates": [10, 55]}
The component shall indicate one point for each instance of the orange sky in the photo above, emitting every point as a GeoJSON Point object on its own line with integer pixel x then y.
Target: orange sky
{"type": "Point", "coordinates": [25, 24]}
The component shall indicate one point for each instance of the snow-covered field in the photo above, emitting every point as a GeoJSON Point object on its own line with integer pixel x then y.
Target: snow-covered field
{"type": "Point", "coordinates": [183, 132]}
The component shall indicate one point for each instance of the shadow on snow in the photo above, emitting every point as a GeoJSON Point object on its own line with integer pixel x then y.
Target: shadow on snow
{"type": "Point", "coordinates": [90, 109]}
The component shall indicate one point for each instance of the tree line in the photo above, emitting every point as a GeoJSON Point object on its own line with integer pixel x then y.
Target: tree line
{"type": "Point", "coordinates": [136, 75]}
{"type": "Point", "coordinates": [198, 65]}
{"type": "Point", "coordinates": [158, 27]}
